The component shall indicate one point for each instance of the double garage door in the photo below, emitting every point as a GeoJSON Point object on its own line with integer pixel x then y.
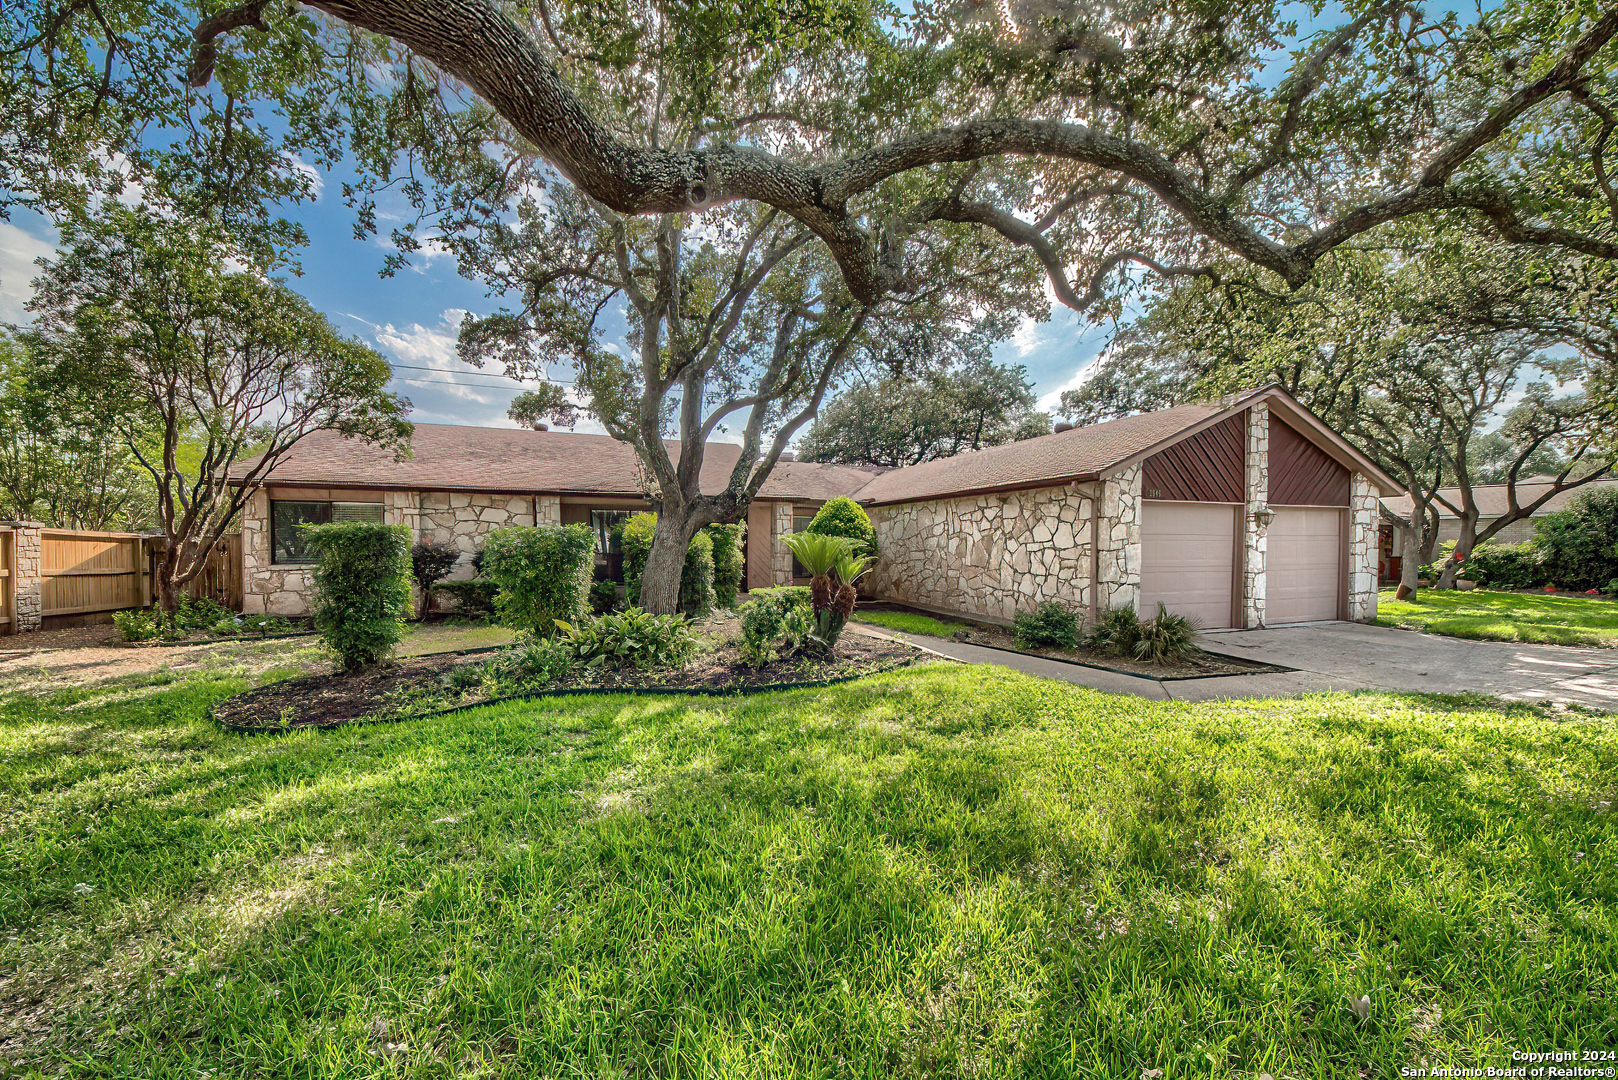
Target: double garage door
{"type": "Point", "coordinates": [1191, 562]}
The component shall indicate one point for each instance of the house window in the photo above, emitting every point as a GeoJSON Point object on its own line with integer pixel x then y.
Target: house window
{"type": "Point", "coordinates": [287, 542]}
{"type": "Point", "coordinates": [800, 523]}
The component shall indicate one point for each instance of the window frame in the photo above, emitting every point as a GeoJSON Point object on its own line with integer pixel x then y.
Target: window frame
{"type": "Point", "coordinates": [325, 514]}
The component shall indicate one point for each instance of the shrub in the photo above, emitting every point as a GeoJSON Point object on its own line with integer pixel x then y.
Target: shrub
{"type": "Point", "coordinates": [1049, 626]}
{"type": "Point", "coordinates": [1505, 566]}
{"type": "Point", "coordinates": [844, 517]}
{"type": "Point", "coordinates": [632, 638]}
{"type": "Point", "coordinates": [774, 620]}
{"type": "Point", "coordinates": [539, 661]}
{"type": "Point", "coordinates": [136, 625]}
{"type": "Point", "coordinates": [431, 562]}
{"type": "Point", "coordinates": [603, 597]}
{"type": "Point", "coordinates": [834, 571]}
{"type": "Point", "coordinates": [542, 572]}
{"type": "Point", "coordinates": [729, 563]}
{"type": "Point", "coordinates": [472, 598]}
{"type": "Point", "coordinates": [361, 588]}
{"type": "Point", "coordinates": [1578, 546]}
{"type": "Point", "coordinates": [696, 578]}
{"type": "Point", "coordinates": [1117, 631]}
{"type": "Point", "coordinates": [1166, 639]}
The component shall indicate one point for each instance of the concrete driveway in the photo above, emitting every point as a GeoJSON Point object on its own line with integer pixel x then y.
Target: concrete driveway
{"type": "Point", "coordinates": [1351, 656]}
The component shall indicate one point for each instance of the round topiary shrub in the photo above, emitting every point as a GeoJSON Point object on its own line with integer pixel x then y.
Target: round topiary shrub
{"type": "Point", "coordinates": [361, 588]}
{"type": "Point", "coordinates": [843, 516]}
{"type": "Point", "coordinates": [543, 574]}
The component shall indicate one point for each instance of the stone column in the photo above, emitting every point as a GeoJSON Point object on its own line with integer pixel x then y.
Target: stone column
{"type": "Point", "coordinates": [29, 608]}
{"type": "Point", "coordinates": [1257, 499]}
{"type": "Point", "coordinates": [1363, 518]}
{"type": "Point", "coordinates": [547, 510]}
{"type": "Point", "coordinates": [256, 553]}
{"type": "Point", "coordinates": [1118, 540]}
{"type": "Point", "coordinates": [778, 549]}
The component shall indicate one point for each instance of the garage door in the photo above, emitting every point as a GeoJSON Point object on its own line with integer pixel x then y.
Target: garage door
{"type": "Point", "coordinates": [1303, 564]}
{"type": "Point", "coordinates": [1188, 560]}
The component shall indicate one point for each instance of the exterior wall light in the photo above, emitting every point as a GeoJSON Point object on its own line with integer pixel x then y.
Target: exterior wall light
{"type": "Point", "coordinates": [1262, 517]}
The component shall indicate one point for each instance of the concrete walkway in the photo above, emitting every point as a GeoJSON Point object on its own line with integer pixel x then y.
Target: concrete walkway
{"type": "Point", "coordinates": [1349, 656]}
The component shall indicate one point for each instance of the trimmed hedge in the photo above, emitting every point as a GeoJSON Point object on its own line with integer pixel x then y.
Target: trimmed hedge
{"type": "Point", "coordinates": [729, 563]}
{"type": "Point", "coordinates": [361, 588]}
{"type": "Point", "coordinates": [1504, 566]}
{"type": "Point", "coordinates": [843, 516]}
{"type": "Point", "coordinates": [543, 574]}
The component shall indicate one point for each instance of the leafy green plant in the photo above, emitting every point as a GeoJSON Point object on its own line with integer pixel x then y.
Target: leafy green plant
{"type": "Point", "coordinates": [729, 563]}
{"type": "Point", "coordinates": [775, 623]}
{"type": "Point", "coordinates": [361, 588]}
{"type": "Point", "coordinates": [835, 569]}
{"type": "Point", "coordinates": [1166, 639]}
{"type": "Point", "coordinates": [431, 561]}
{"type": "Point", "coordinates": [138, 624]}
{"type": "Point", "coordinates": [472, 598]}
{"type": "Point", "coordinates": [844, 517]}
{"type": "Point", "coordinates": [631, 638]}
{"type": "Point", "coordinates": [542, 572]}
{"type": "Point", "coordinates": [635, 541]}
{"type": "Point", "coordinates": [539, 661]}
{"type": "Point", "coordinates": [1578, 545]}
{"type": "Point", "coordinates": [1505, 566]}
{"type": "Point", "coordinates": [1049, 626]}
{"type": "Point", "coordinates": [1116, 631]}
{"type": "Point", "coordinates": [603, 597]}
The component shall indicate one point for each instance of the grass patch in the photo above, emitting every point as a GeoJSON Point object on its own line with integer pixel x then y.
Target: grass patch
{"type": "Point", "coordinates": [1486, 615]}
{"type": "Point", "coordinates": [945, 871]}
{"type": "Point", "coordinates": [908, 622]}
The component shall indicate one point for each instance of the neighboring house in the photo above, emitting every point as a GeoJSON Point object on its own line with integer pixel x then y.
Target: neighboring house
{"type": "Point", "coordinates": [1491, 503]}
{"type": "Point", "coordinates": [1245, 512]}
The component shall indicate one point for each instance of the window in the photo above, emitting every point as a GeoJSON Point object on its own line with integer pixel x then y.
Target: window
{"type": "Point", "coordinates": [609, 556]}
{"type": "Point", "coordinates": [800, 523]}
{"type": "Point", "coordinates": [286, 542]}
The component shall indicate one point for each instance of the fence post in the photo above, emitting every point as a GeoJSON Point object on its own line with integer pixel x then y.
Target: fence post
{"type": "Point", "coordinates": [27, 599]}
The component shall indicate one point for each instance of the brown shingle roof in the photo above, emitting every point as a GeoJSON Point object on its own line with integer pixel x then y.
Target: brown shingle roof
{"type": "Point", "coordinates": [1491, 498]}
{"type": "Point", "coordinates": [447, 457]}
{"type": "Point", "coordinates": [1080, 453]}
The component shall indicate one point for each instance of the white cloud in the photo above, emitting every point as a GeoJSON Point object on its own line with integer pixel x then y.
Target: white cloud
{"type": "Point", "coordinates": [18, 250]}
{"type": "Point", "coordinates": [317, 182]}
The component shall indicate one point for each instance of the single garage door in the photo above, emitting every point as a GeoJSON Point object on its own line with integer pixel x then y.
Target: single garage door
{"type": "Point", "coordinates": [1188, 560]}
{"type": "Point", "coordinates": [1303, 564]}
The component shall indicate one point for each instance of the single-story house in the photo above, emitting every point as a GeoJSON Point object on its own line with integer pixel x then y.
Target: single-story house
{"type": "Point", "coordinates": [1244, 512]}
{"type": "Point", "coordinates": [1491, 502]}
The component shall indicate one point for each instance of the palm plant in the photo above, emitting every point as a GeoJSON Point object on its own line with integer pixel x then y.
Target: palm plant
{"type": "Point", "coordinates": [833, 570]}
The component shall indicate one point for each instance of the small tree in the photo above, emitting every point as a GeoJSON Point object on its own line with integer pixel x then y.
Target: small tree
{"type": "Point", "coordinates": [543, 574]}
{"type": "Point", "coordinates": [361, 588]}
{"type": "Point", "coordinates": [431, 562]}
{"type": "Point", "coordinates": [844, 517]}
{"type": "Point", "coordinates": [197, 368]}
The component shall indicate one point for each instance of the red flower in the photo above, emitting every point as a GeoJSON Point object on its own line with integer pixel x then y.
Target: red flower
{"type": "Point", "coordinates": [1592, 592]}
{"type": "Point", "coordinates": [1550, 588]}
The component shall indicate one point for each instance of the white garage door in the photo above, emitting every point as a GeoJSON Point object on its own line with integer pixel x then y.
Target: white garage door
{"type": "Point", "coordinates": [1303, 564]}
{"type": "Point", "coordinates": [1188, 560]}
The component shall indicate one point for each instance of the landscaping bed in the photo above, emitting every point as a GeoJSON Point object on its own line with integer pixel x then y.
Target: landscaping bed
{"type": "Point", "coordinates": [1197, 665]}
{"type": "Point", "coordinates": [419, 686]}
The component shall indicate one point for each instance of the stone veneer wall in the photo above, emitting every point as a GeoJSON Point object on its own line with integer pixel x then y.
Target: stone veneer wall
{"type": "Point", "coordinates": [1363, 518]}
{"type": "Point", "coordinates": [1254, 544]}
{"type": "Point", "coordinates": [987, 555]}
{"type": "Point", "coordinates": [29, 599]}
{"type": "Point", "coordinates": [462, 519]}
{"type": "Point", "coordinates": [1118, 520]}
{"type": "Point", "coordinates": [781, 555]}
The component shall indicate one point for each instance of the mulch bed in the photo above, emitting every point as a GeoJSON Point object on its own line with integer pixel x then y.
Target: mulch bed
{"type": "Point", "coordinates": [385, 691]}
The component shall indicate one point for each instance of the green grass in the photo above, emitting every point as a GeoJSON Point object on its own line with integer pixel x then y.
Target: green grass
{"type": "Point", "coordinates": [1505, 616]}
{"type": "Point", "coordinates": [943, 871]}
{"type": "Point", "coordinates": [907, 623]}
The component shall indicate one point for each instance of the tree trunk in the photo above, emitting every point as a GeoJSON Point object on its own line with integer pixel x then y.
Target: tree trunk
{"type": "Point", "coordinates": [1409, 565]}
{"type": "Point", "coordinates": [167, 589]}
{"type": "Point", "coordinates": [660, 581]}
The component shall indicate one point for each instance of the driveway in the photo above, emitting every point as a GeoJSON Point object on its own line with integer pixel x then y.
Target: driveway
{"type": "Point", "coordinates": [1353, 656]}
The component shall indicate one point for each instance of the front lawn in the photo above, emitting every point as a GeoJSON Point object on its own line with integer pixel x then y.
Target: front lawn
{"type": "Point", "coordinates": [908, 622]}
{"type": "Point", "coordinates": [945, 870]}
{"type": "Point", "coordinates": [1504, 616]}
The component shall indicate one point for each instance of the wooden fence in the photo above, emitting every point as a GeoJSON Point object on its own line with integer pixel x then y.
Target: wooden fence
{"type": "Point", "coordinates": [86, 572]}
{"type": "Point", "coordinates": [220, 579]}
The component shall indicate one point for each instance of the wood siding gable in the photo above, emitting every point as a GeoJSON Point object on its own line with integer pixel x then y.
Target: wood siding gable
{"type": "Point", "coordinates": [1209, 466]}
{"type": "Point", "coordinates": [1302, 474]}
